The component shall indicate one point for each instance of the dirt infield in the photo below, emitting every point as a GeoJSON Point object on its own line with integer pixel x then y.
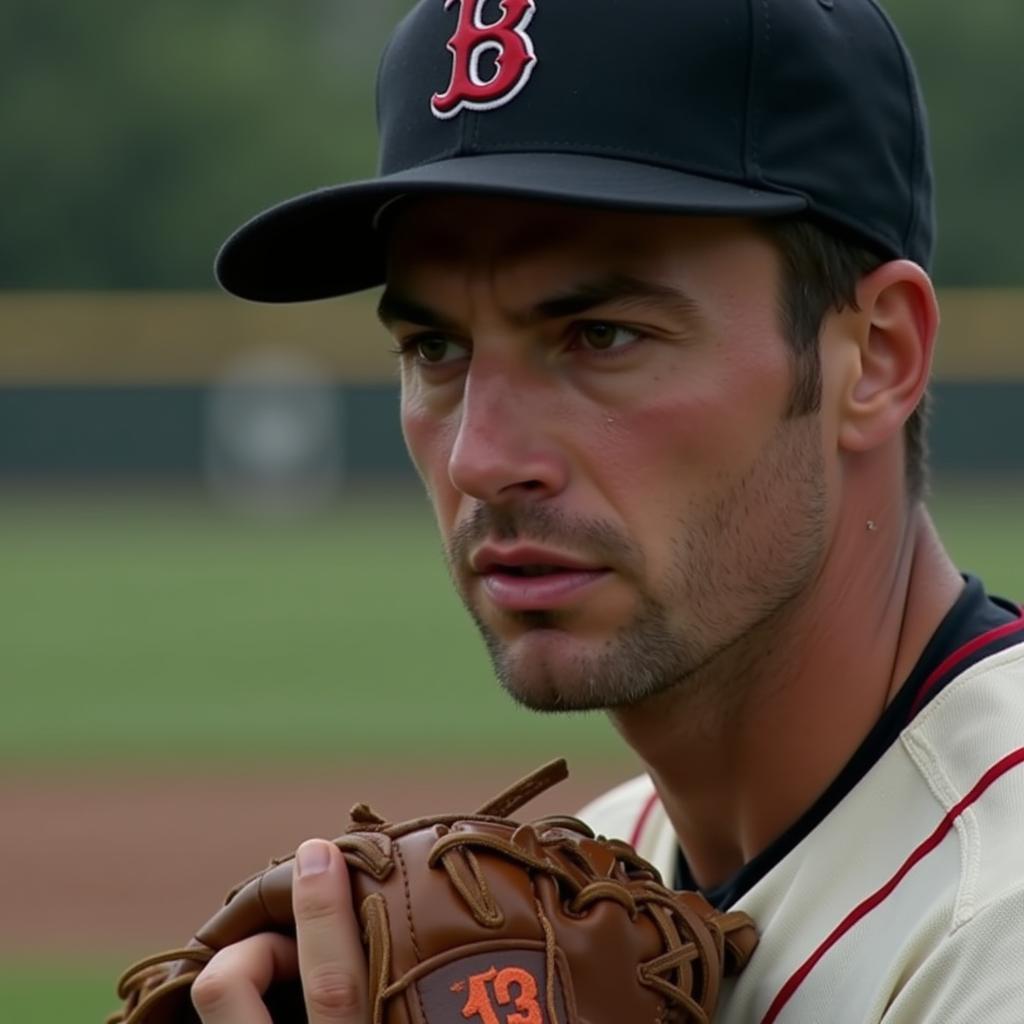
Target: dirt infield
{"type": "Point", "coordinates": [103, 864]}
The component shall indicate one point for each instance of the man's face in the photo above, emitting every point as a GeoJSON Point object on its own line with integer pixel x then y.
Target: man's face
{"type": "Point", "coordinates": [597, 402]}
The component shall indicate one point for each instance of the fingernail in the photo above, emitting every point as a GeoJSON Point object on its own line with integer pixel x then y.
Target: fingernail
{"type": "Point", "coordinates": [313, 857]}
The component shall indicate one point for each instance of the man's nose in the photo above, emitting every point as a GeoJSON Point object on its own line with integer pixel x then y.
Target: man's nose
{"type": "Point", "coordinates": [505, 448]}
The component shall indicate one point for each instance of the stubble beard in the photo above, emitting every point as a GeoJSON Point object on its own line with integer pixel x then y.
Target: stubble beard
{"type": "Point", "coordinates": [741, 559]}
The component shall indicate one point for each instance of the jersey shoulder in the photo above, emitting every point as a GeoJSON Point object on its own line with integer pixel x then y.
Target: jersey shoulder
{"type": "Point", "coordinates": [968, 746]}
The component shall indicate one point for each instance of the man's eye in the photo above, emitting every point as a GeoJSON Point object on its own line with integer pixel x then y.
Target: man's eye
{"type": "Point", "coordinates": [601, 337]}
{"type": "Point", "coordinates": [434, 350]}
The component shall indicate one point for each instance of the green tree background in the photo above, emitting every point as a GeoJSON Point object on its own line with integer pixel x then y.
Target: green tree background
{"type": "Point", "coordinates": [136, 136]}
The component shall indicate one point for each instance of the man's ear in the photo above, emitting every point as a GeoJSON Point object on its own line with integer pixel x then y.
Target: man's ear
{"type": "Point", "coordinates": [898, 321]}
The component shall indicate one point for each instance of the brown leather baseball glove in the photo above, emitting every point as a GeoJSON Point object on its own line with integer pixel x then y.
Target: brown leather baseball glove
{"type": "Point", "coordinates": [482, 919]}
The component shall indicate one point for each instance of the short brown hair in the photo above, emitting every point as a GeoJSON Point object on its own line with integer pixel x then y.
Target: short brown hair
{"type": "Point", "coordinates": [821, 271]}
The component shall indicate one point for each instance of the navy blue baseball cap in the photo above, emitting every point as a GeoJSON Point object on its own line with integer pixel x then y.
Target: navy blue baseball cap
{"type": "Point", "coordinates": [752, 108]}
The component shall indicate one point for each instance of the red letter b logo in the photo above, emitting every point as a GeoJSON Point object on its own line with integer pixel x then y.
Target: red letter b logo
{"type": "Point", "coordinates": [506, 39]}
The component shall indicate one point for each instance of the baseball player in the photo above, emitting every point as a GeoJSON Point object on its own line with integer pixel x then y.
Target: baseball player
{"type": "Point", "coordinates": [657, 275]}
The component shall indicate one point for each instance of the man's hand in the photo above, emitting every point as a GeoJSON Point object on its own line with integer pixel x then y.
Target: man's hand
{"type": "Point", "coordinates": [326, 955]}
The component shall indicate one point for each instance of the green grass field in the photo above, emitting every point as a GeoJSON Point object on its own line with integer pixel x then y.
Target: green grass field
{"type": "Point", "coordinates": [34, 993]}
{"type": "Point", "coordinates": [149, 631]}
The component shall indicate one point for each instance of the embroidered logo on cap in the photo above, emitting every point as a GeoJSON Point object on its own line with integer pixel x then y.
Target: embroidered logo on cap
{"type": "Point", "coordinates": [505, 41]}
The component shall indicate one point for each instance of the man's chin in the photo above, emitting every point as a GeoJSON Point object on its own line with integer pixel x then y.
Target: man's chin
{"type": "Point", "coordinates": [543, 669]}
{"type": "Point", "coordinates": [549, 670]}
{"type": "Point", "coordinates": [547, 695]}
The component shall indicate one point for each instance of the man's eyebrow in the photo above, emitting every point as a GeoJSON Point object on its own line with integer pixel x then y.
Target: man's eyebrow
{"type": "Point", "coordinates": [621, 288]}
{"type": "Point", "coordinates": [394, 307]}
{"type": "Point", "coordinates": [579, 299]}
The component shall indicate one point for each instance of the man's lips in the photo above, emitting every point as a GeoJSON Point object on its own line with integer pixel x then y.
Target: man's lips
{"type": "Point", "coordinates": [528, 578]}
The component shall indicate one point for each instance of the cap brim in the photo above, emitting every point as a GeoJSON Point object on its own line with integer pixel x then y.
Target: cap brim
{"type": "Point", "coordinates": [326, 243]}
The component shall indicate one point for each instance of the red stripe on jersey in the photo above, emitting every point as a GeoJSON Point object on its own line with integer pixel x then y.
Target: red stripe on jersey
{"type": "Point", "coordinates": [641, 822]}
{"type": "Point", "coordinates": [861, 911]}
{"type": "Point", "coordinates": [961, 655]}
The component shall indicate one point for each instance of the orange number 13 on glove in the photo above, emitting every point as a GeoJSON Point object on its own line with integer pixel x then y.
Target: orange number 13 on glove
{"type": "Point", "coordinates": [479, 1004]}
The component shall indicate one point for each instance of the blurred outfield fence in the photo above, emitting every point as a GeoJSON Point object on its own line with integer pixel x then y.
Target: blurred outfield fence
{"type": "Point", "coordinates": [179, 386]}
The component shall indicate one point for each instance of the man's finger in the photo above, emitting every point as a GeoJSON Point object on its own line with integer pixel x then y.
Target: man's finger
{"type": "Point", "coordinates": [331, 959]}
{"type": "Point", "coordinates": [230, 988]}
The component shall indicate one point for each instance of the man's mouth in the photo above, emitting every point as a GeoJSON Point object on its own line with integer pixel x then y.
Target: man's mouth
{"type": "Point", "coordinates": [529, 570]}
{"type": "Point", "coordinates": [529, 579]}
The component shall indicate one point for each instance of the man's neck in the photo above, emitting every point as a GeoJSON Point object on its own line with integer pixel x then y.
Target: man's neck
{"type": "Point", "coordinates": [739, 751]}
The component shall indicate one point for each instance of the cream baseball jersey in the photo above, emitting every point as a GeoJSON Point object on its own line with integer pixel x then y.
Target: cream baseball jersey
{"type": "Point", "coordinates": [899, 896]}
